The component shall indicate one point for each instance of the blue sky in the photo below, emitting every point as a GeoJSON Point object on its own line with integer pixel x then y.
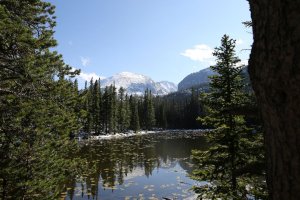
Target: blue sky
{"type": "Point", "coordinates": [163, 39]}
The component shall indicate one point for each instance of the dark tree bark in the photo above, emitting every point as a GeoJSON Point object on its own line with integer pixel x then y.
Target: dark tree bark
{"type": "Point", "coordinates": [274, 69]}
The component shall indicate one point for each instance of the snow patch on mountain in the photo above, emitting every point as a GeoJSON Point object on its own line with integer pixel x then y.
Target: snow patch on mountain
{"type": "Point", "coordinates": [166, 87]}
{"type": "Point", "coordinates": [137, 84]}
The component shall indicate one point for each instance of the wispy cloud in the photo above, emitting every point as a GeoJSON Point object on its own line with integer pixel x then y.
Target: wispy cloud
{"type": "Point", "coordinates": [85, 61]}
{"type": "Point", "coordinates": [200, 52]}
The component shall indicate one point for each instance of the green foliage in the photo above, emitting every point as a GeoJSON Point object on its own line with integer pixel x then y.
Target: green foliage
{"type": "Point", "coordinates": [103, 110]}
{"type": "Point", "coordinates": [110, 109]}
{"type": "Point", "coordinates": [161, 115]}
{"type": "Point", "coordinates": [123, 111]}
{"type": "Point", "coordinates": [96, 107]}
{"type": "Point", "coordinates": [109, 112]}
{"type": "Point", "coordinates": [148, 110]}
{"type": "Point", "coordinates": [135, 120]}
{"type": "Point", "coordinates": [179, 110]}
{"type": "Point", "coordinates": [235, 161]}
{"type": "Point", "coordinates": [37, 104]}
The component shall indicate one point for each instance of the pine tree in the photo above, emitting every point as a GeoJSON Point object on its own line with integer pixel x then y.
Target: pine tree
{"type": "Point", "coordinates": [192, 110]}
{"type": "Point", "coordinates": [123, 114]}
{"type": "Point", "coordinates": [100, 103]}
{"type": "Point", "coordinates": [149, 113]}
{"type": "Point", "coordinates": [224, 164]}
{"type": "Point", "coordinates": [109, 112]}
{"type": "Point", "coordinates": [105, 110]}
{"type": "Point", "coordinates": [89, 107]}
{"type": "Point", "coordinates": [96, 99]}
{"type": "Point", "coordinates": [135, 121]}
{"type": "Point", "coordinates": [160, 112]}
{"type": "Point", "coordinates": [127, 113]}
{"type": "Point", "coordinates": [112, 109]}
{"type": "Point", "coordinates": [37, 103]}
{"type": "Point", "coordinates": [85, 96]}
{"type": "Point", "coordinates": [121, 109]}
{"type": "Point", "coordinates": [163, 118]}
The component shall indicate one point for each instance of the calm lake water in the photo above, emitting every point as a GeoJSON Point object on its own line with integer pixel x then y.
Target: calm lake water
{"type": "Point", "coordinates": [153, 166]}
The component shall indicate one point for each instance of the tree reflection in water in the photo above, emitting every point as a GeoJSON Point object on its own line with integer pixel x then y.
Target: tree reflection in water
{"type": "Point", "coordinates": [118, 164]}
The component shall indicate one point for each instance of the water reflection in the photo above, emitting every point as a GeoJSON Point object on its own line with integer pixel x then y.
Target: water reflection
{"type": "Point", "coordinates": [141, 167]}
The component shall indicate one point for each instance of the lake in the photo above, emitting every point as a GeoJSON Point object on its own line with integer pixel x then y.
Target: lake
{"type": "Point", "coordinates": [152, 166]}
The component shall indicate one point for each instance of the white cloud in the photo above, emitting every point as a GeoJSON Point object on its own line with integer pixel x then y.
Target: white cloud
{"type": "Point", "coordinates": [201, 52]}
{"type": "Point", "coordinates": [243, 62]}
{"type": "Point", "coordinates": [88, 76]}
{"type": "Point", "coordinates": [239, 42]}
{"type": "Point", "coordinates": [85, 61]}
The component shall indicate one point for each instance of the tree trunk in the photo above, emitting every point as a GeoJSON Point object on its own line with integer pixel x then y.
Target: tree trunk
{"type": "Point", "coordinates": [274, 69]}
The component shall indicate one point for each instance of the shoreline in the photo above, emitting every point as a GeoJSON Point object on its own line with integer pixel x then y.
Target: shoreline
{"type": "Point", "coordinates": [131, 134]}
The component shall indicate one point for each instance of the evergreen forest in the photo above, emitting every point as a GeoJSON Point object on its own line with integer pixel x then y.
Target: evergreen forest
{"type": "Point", "coordinates": [43, 110]}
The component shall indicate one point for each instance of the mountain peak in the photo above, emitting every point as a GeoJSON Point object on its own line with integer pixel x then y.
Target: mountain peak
{"type": "Point", "coordinates": [129, 74]}
{"type": "Point", "coordinates": [201, 78]}
{"type": "Point", "coordinates": [136, 84]}
{"type": "Point", "coordinates": [196, 79]}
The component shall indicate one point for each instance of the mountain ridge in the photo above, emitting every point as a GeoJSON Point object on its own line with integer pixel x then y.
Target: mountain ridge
{"type": "Point", "coordinates": [136, 84]}
{"type": "Point", "coordinates": [195, 79]}
{"type": "Point", "coordinates": [201, 79]}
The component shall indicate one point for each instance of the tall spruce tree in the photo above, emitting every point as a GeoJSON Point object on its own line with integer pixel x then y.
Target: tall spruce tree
{"type": "Point", "coordinates": [36, 103]}
{"type": "Point", "coordinates": [105, 110]}
{"type": "Point", "coordinates": [192, 110]}
{"type": "Point", "coordinates": [135, 120]}
{"type": "Point", "coordinates": [149, 112]}
{"type": "Point", "coordinates": [113, 109]}
{"type": "Point", "coordinates": [85, 96]}
{"type": "Point", "coordinates": [90, 108]}
{"type": "Point", "coordinates": [128, 113]}
{"type": "Point", "coordinates": [96, 99]}
{"type": "Point", "coordinates": [163, 123]}
{"type": "Point", "coordinates": [109, 111]}
{"type": "Point", "coordinates": [123, 111]}
{"type": "Point", "coordinates": [225, 165]}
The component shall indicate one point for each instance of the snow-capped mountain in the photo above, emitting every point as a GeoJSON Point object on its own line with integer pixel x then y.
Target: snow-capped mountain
{"type": "Point", "coordinates": [137, 84]}
{"type": "Point", "coordinates": [195, 79]}
{"type": "Point", "coordinates": [165, 87]}
{"type": "Point", "coordinates": [201, 78]}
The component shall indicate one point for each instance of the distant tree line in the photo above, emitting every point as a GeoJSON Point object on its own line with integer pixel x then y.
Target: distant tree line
{"type": "Point", "coordinates": [110, 110]}
{"type": "Point", "coordinates": [104, 111]}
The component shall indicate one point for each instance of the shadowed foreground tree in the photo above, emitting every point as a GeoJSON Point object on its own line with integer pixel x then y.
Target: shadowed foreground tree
{"type": "Point", "coordinates": [274, 69]}
{"type": "Point", "coordinates": [234, 163]}
{"type": "Point", "coordinates": [36, 105]}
